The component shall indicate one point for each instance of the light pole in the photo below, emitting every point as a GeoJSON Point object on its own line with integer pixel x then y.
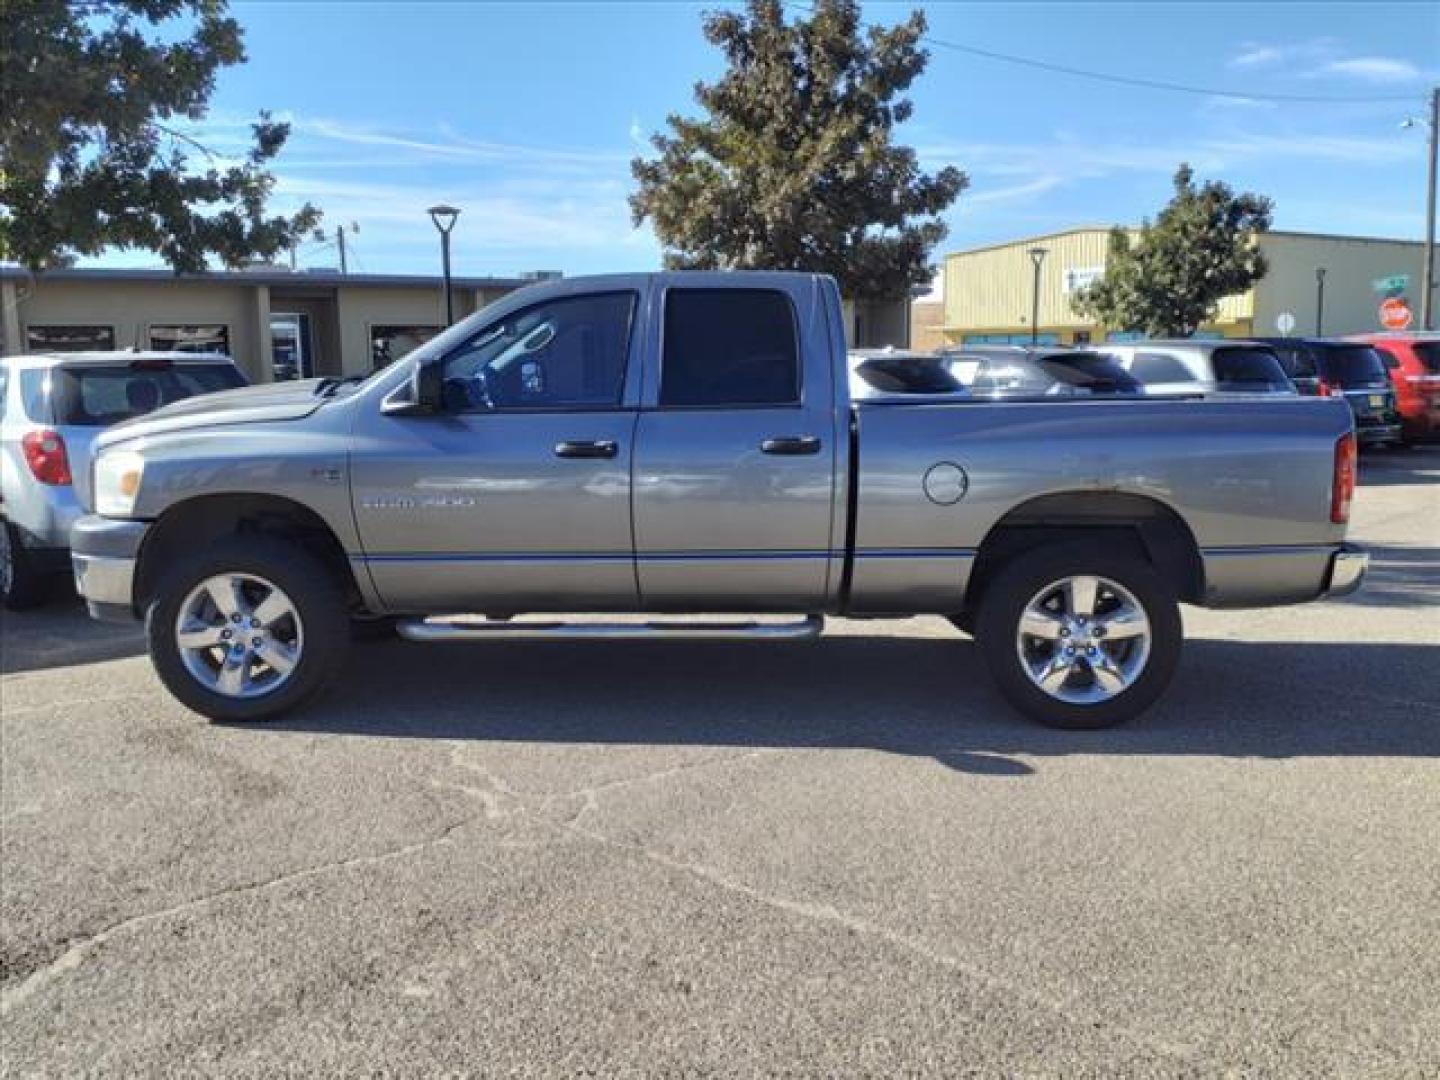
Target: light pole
{"type": "Point", "coordinates": [1319, 300]}
{"type": "Point", "coordinates": [1427, 272]}
{"type": "Point", "coordinates": [444, 218]}
{"type": "Point", "coordinates": [1037, 256]}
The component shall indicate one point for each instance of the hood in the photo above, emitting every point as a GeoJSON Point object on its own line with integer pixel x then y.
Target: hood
{"type": "Point", "coordinates": [248, 405]}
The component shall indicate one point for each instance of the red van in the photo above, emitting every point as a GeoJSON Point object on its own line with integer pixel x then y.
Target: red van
{"type": "Point", "coordinates": [1413, 360]}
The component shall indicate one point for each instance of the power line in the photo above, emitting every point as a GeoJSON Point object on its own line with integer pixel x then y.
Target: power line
{"type": "Point", "coordinates": [1135, 81]}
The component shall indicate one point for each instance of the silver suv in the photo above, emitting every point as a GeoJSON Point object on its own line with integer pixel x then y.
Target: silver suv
{"type": "Point", "coordinates": [51, 408]}
{"type": "Point", "coordinates": [1190, 366]}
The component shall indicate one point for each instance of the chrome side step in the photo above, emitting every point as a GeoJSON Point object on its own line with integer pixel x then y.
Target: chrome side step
{"type": "Point", "coordinates": [421, 630]}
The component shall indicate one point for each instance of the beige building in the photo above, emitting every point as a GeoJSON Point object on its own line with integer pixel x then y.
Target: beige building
{"type": "Point", "coordinates": [279, 323]}
{"type": "Point", "coordinates": [988, 291]}
{"type": "Point", "coordinates": [273, 322]}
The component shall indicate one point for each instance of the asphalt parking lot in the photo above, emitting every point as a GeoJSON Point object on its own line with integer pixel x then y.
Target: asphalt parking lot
{"type": "Point", "coordinates": [844, 856]}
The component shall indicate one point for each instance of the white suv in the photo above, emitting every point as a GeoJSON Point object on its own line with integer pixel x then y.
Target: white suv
{"type": "Point", "coordinates": [51, 408]}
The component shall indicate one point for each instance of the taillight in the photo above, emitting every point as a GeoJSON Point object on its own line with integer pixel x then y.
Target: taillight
{"type": "Point", "coordinates": [1322, 388]}
{"type": "Point", "coordinates": [1342, 486]}
{"type": "Point", "coordinates": [45, 454]}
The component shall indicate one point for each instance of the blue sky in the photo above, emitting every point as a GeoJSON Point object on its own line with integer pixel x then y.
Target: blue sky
{"type": "Point", "coordinates": [526, 116]}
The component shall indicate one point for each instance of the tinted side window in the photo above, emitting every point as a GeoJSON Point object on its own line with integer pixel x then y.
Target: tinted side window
{"type": "Point", "coordinates": [4, 388]}
{"type": "Point", "coordinates": [729, 347]}
{"type": "Point", "coordinates": [1249, 368]}
{"type": "Point", "coordinates": [1159, 367]}
{"type": "Point", "coordinates": [1428, 353]}
{"type": "Point", "coordinates": [1295, 361]}
{"type": "Point", "coordinates": [562, 354]}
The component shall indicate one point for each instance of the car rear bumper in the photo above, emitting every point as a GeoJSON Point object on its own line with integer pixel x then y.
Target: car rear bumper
{"type": "Point", "coordinates": [103, 555]}
{"type": "Point", "coordinates": [1347, 570]}
{"type": "Point", "coordinates": [1371, 435]}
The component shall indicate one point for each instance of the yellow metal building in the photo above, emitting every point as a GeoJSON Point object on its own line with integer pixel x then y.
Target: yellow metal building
{"type": "Point", "coordinates": [988, 290]}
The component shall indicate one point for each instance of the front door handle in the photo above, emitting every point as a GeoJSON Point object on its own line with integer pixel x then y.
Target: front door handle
{"type": "Point", "coordinates": [579, 448]}
{"type": "Point", "coordinates": [791, 445]}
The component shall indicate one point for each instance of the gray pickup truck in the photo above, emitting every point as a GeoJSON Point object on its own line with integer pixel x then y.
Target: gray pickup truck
{"type": "Point", "coordinates": [685, 443]}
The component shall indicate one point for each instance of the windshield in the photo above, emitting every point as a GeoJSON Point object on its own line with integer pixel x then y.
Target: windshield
{"type": "Point", "coordinates": [1053, 373]}
{"type": "Point", "coordinates": [1250, 369]}
{"type": "Point", "coordinates": [909, 375]}
{"type": "Point", "coordinates": [1354, 365]}
{"type": "Point", "coordinates": [95, 396]}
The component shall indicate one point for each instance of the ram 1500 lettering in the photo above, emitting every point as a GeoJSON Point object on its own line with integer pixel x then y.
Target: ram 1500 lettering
{"type": "Point", "coordinates": [686, 443]}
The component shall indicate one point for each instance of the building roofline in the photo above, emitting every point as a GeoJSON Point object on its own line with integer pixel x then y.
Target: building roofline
{"type": "Point", "coordinates": [1074, 230]}
{"type": "Point", "coordinates": [297, 278]}
{"type": "Point", "coordinates": [1031, 239]}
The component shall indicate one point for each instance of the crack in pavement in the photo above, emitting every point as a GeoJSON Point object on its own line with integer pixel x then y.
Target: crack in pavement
{"type": "Point", "coordinates": [826, 914]}
{"type": "Point", "coordinates": [15, 995]}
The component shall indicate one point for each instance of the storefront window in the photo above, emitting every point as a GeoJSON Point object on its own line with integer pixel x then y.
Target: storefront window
{"type": "Point", "coordinates": [191, 338]}
{"type": "Point", "coordinates": [390, 343]}
{"type": "Point", "coordinates": [41, 339]}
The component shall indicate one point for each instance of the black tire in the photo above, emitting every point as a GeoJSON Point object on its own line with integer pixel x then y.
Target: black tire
{"type": "Point", "coordinates": [1021, 580]}
{"type": "Point", "coordinates": [22, 584]}
{"type": "Point", "coordinates": [317, 598]}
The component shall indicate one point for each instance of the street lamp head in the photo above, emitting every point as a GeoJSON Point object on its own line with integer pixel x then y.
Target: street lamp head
{"type": "Point", "coordinates": [443, 215]}
{"type": "Point", "coordinates": [1037, 254]}
{"type": "Point", "coordinates": [1319, 273]}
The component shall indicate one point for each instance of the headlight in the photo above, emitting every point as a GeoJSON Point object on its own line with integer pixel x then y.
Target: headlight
{"type": "Point", "coordinates": [117, 482]}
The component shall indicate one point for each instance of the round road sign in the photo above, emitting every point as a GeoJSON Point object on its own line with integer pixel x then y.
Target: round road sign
{"type": "Point", "coordinates": [1395, 313]}
{"type": "Point", "coordinates": [1285, 322]}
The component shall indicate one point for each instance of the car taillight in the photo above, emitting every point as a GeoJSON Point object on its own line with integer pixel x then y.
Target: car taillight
{"type": "Point", "coordinates": [1342, 485]}
{"type": "Point", "coordinates": [1322, 388]}
{"type": "Point", "coordinates": [45, 454]}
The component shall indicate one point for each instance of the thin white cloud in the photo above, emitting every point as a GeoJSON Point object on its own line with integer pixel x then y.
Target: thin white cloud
{"type": "Point", "coordinates": [1376, 69]}
{"type": "Point", "coordinates": [981, 196]}
{"type": "Point", "coordinates": [1229, 104]}
{"type": "Point", "coordinates": [1251, 55]}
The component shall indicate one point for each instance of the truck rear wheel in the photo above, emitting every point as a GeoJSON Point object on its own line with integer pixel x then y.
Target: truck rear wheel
{"type": "Point", "coordinates": [247, 629]}
{"type": "Point", "coordinates": [1080, 635]}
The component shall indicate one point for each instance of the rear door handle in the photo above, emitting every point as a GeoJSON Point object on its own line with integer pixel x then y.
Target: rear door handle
{"type": "Point", "coordinates": [579, 448]}
{"type": "Point", "coordinates": [791, 444]}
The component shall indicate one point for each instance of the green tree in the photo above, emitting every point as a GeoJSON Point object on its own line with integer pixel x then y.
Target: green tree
{"type": "Point", "coordinates": [94, 97]}
{"type": "Point", "coordinates": [793, 167]}
{"type": "Point", "coordinates": [1200, 249]}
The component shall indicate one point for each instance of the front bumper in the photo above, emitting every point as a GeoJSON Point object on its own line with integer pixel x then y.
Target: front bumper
{"type": "Point", "coordinates": [103, 554]}
{"type": "Point", "coordinates": [1347, 570]}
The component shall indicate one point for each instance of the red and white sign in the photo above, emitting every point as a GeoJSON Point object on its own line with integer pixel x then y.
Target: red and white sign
{"type": "Point", "coordinates": [1395, 313]}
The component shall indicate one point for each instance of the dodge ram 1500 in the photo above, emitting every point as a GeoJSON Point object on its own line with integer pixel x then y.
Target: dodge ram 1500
{"type": "Point", "coordinates": [685, 443]}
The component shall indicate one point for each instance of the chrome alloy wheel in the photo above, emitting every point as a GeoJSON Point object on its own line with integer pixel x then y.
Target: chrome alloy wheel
{"type": "Point", "coordinates": [1083, 639]}
{"type": "Point", "coordinates": [239, 635]}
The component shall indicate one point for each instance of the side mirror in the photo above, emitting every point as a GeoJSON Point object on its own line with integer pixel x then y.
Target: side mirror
{"type": "Point", "coordinates": [421, 394]}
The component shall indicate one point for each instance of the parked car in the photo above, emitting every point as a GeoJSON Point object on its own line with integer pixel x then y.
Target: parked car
{"type": "Point", "coordinates": [1188, 366]}
{"type": "Point", "coordinates": [687, 443]}
{"type": "Point", "coordinates": [881, 373]}
{"type": "Point", "coordinates": [1352, 370]}
{"type": "Point", "coordinates": [51, 408]}
{"type": "Point", "coordinates": [1413, 361]}
{"type": "Point", "coordinates": [1024, 371]}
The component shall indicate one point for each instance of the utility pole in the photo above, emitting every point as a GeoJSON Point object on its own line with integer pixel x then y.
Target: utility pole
{"type": "Point", "coordinates": [340, 239]}
{"type": "Point", "coordinates": [1427, 276]}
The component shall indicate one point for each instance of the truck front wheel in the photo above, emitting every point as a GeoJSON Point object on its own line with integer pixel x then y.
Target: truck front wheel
{"type": "Point", "coordinates": [247, 629]}
{"type": "Point", "coordinates": [1080, 635]}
